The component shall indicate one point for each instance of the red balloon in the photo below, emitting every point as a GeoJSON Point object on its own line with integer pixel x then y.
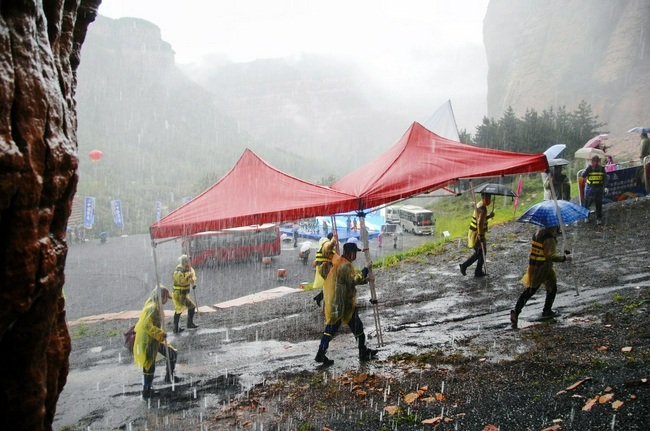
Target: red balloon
{"type": "Point", "coordinates": [95, 155]}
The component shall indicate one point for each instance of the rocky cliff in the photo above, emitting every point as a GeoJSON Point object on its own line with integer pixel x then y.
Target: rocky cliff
{"type": "Point", "coordinates": [559, 52]}
{"type": "Point", "coordinates": [40, 43]}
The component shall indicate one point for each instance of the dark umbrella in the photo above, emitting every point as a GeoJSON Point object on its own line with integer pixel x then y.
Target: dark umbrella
{"type": "Point", "coordinates": [495, 189]}
{"type": "Point", "coordinates": [558, 162]}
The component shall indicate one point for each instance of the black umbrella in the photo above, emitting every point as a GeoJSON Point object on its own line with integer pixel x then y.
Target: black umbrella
{"type": "Point", "coordinates": [558, 162]}
{"type": "Point", "coordinates": [495, 189]}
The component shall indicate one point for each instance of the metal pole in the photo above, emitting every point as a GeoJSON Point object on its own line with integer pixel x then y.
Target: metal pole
{"type": "Point", "coordinates": [564, 241]}
{"type": "Point", "coordinates": [471, 185]}
{"type": "Point", "coordinates": [162, 313]}
{"type": "Point", "coordinates": [371, 279]}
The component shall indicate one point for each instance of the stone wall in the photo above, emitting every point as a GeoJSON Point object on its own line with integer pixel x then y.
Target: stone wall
{"type": "Point", "coordinates": [40, 43]}
{"type": "Point", "coordinates": [559, 52]}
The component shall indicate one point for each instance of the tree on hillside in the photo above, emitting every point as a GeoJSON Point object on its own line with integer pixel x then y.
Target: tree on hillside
{"type": "Point", "coordinates": [535, 132]}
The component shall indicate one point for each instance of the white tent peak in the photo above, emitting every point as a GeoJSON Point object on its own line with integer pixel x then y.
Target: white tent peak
{"type": "Point", "coordinates": [443, 123]}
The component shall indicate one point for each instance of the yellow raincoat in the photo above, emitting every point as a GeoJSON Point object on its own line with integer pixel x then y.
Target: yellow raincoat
{"type": "Point", "coordinates": [148, 333]}
{"type": "Point", "coordinates": [478, 225]}
{"type": "Point", "coordinates": [540, 266]}
{"type": "Point", "coordinates": [323, 256]}
{"type": "Point", "coordinates": [340, 291]}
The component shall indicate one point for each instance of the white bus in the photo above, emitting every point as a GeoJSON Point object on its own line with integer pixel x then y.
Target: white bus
{"type": "Point", "coordinates": [417, 220]}
{"type": "Point", "coordinates": [392, 215]}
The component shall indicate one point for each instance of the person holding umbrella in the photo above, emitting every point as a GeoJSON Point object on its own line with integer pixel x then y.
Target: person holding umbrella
{"type": "Point", "coordinates": [540, 272]}
{"type": "Point", "coordinates": [560, 183]}
{"type": "Point", "coordinates": [644, 146]}
{"type": "Point", "coordinates": [476, 236]}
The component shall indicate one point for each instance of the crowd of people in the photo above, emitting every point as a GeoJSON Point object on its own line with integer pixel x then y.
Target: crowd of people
{"type": "Point", "coordinates": [337, 277]}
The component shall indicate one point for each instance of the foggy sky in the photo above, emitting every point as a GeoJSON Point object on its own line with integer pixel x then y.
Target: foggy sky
{"type": "Point", "coordinates": [425, 52]}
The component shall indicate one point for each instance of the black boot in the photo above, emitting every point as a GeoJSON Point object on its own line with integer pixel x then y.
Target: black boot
{"type": "Point", "coordinates": [320, 357]}
{"type": "Point", "coordinates": [147, 393]}
{"type": "Point", "coordinates": [463, 269]}
{"type": "Point", "coordinates": [169, 379]}
{"type": "Point", "coordinates": [177, 318]}
{"type": "Point", "coordinates": [514, 318]}
{"type": "Point", "coordinates": [366, 353]}
{"type": "Point", "coordinates": [190, 319]}
{"type": "Point", "coordinates": [318, 298]}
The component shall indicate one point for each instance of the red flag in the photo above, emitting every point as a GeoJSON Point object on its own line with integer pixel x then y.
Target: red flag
{"type": "Point", "coordinates": [519, 186]}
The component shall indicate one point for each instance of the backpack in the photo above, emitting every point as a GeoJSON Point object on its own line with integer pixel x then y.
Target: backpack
{"type": "Point", "coordinates": [129, 338]}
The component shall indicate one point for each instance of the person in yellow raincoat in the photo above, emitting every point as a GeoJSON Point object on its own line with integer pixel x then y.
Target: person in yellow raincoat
{"type": "Point", "coordinates": [184, 279]}
{"type": "Point", "coordinates": [341, 303]}
{"type": "Point", "coordinates": [326, 250]}
{"type": "Point", "coordinates": [476, 234]}
{"type": "Point", "coordinates": [150, 340]}
{"type": "Point", "coordinates": [540, 272]}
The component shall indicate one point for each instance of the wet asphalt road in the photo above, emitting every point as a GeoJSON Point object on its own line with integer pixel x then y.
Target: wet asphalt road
{"type": "Point", "coordinates": [120, 274]}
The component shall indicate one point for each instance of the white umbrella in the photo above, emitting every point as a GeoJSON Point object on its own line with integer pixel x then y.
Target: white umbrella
{"type": "Point", "coordinates": [588, 153]}
{"type": "Point", "coordinates": [554, 151]}
{"type": "Point", "coordinates": [639, 130]}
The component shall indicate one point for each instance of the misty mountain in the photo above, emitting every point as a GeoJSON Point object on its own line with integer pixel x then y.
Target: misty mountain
{"type": "Point", "coordinates": [162, 135]}
{"type": "Point", "coordinates": [308, 104]}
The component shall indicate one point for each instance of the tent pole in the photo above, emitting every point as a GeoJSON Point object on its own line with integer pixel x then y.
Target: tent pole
{"type": "Point", "coordinates": [162, 311]}
{"type": "Point", "coordinates": [336, 234]}
{"type": "Point", "coordinates": [371, 278]}
{"type": "Point", "coordinates": [564, 242]}
{"type": "Point", "coordinates": [471, 185]}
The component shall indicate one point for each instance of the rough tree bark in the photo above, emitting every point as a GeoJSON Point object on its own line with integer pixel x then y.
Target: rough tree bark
{"type": "Point", "coordinates": [40, 43]}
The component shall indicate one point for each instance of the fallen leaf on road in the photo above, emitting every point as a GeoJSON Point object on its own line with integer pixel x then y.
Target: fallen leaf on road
{"type": "Point", "coordinates": [605, 398]}
{"type": "Point", "coordinates": [432, 421]}
{"type": "Point", "coordinates": [560, 393]}
{"type": "Point", "coordinates": [391, 409]}
{"type": "Point", "coordinates": [617, 404]}
{"type": "Point", "coordinates": [553, 428]}
{"type": "Point", "coordinates": [440, 397]}
{"type": "Point", "coordinates": [326, 429]}
{"type": "Point", "coordinates": [626, 349]}
{"type": "Point", "coordinates": [576, 384]}
{"type": "Point", "coordinates": [490, 428]}
{"type": "Point", "coordinates": [428, 399]}
{"type": "Point", "coordinates": [409, 398]}
{"type": "Point", "coordinates": [608, 389]}
{"type": "Point", "coordinates": [424, 388]}
{"type": "Point", "coordinates": [602, 348]}
{"type": "Point", "coordinates": [361, 378]}
{"type": "Point", "coordinates": [590, 404]}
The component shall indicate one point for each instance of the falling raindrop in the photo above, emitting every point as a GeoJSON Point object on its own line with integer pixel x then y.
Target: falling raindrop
{"type": "Point", "coordinates": [613, 421]}
{"type": "Point", "coordinates": [194, 393]}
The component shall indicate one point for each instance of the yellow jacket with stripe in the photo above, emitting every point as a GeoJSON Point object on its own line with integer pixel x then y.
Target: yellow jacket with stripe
{"type": "Point", "coordinates": [543, 253]}
{"type": "Point", "coordinates": [183, 278]}
{"type": "Point", "coordinates": [478, 225]}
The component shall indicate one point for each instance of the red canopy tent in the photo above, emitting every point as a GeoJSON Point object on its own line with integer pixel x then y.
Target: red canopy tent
{"type": "Point", "coordinates": [422, 161]}
{"type": "Point", "coordinates": [252, 192]}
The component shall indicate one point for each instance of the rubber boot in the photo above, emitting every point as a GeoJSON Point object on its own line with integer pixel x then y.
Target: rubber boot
{"type": "Point", "coordinates": [548, 313]}
{"type": "Point", "coordinates": [320, 357]}
{"type": "Point", "coordinates": [190, 319]}
{"type": "Point", "coordinates": [169, 380]}
{"type": "Point", "coordinates": [318, 298]}
{"type": "Point", "coordinates": [463, 269]}
{"type": "Point", "coordinates": [177, 318]}
{"type": "Point", "coordinates": [514, 318]}
{"type": "Point", "coordinates": [366, 353]}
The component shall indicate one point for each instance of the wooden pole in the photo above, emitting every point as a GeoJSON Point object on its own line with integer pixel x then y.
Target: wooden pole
{"type": "Point", "coordinates": [371, 280]}
{"type": "Point", "coordinates": [162, 313]}
{"type": "Point", "coordinates": [564, 241]}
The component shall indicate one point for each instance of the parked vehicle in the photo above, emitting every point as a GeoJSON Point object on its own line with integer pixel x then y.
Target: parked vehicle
{"type": "Point", "coordinates": [242, 243]}
{"type": "Point", "coordinates": [417, 220]}
{"type": "Point", "coordinates": [392, 215]}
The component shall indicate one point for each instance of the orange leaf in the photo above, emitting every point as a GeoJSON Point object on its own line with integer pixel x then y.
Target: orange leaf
{"type": "Point", "coordinates": [432, 421]}
{"type": "Point", "coordinates": [409, 398]}
{"type": "Point", "coordinates": [391, 409]}
{"type": "Point", "coordinates": [575, 385]}
{"type": "Point", "coordinates": [590, 404]}
{"type": "Point", "coordinates": [361, 378]}
{"type": "Point", "coordinates": [617, 404]}
{"type": "Point", "coordinates": [605, 398]}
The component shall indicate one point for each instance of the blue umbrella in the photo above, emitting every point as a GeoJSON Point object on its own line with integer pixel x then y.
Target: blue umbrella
{"type": "Point", "coordinates": [639, 130]}
{"type": "Point", "coordinates": [544, 213]}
